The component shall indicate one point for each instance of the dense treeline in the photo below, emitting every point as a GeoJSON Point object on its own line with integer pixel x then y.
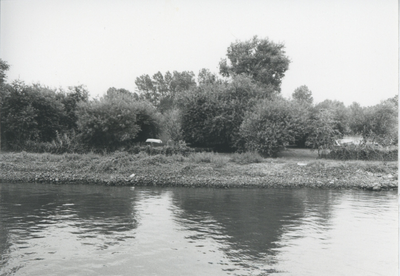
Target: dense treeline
{"type": "Point", "coordinates": [239, 110]}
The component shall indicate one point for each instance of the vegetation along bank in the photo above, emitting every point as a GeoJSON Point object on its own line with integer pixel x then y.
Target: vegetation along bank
{"type": "Point", "coordinates": [61, 135]}
{"type": "Point", "coordinates": [197, 170]}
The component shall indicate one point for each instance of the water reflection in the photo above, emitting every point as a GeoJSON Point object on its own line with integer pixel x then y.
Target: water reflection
{"type": "Point", "coordinates": [63, 218]}
{"type": "Point", "coordinates": [249, 224]}
{"type": "Point", "coordinates": [92, 230]}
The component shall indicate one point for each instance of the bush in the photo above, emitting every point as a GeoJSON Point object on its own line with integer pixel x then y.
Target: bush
{"type": "Point", "coordinates": [269, 128]}
{"type": "Point", "coordinates": [363, 152]}
{"type": "Point", "coordinates": [34, 116]}
{"type": "Point", "coordinates": [246, 158]}
{"type": "Point", "coordinates": [213, 113]}
{"type": "Point", "coordinates": [116, 121]}
{"type": "Point", "coordinates": [180, 148]}
{"type": "Point", "coordinates": [322, 134]}
{"type": "Point", "coordinates": [171, 126]}
{"type": "Point", "coordinates": [208, 157]}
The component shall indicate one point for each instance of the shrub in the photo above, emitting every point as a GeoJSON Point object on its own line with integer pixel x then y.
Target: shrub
{"type": "Point", "coordinates": [116, 121]}
{"type": "Point", "coordinates": [322, 133]}
{"type": "Point", "coordinates": [171, 126]}
{"type": "Point", "coordinates": [269, 128]}
{"type": "Point", "coordinates": [208, 157]}
{"type": "Point", "coordinates": [213, 112]}
{"type": "Point", "coordinates": [363, 152]}
{"type": "Point", "coordinates": [246, 158]}
{"type": "Point", "coordinates": [178, 148]}
{"type": "Point", "coordinates": [33, 116]}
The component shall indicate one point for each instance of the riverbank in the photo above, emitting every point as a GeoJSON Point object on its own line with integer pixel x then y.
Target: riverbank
{"type": "Point", "coordinates": [197, 170]}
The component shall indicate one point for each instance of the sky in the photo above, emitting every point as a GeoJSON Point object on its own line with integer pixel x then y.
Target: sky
{"type": "Point", "coordinates": [344, 50]}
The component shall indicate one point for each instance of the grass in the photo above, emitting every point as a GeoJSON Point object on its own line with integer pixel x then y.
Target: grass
{"type": "Point", "coordinates": [196, 169]}
{"type": "Point", "coordinates": [215, 159]}
{"type": "Point", "coordinates": [246, 158]}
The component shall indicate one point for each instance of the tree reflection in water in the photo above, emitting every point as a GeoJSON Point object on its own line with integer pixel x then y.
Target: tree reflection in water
{"type": "Point", "coordinates": [249, 224]}
{"type": "Point", "coordinates": [92, 230]}
{"type": "Point", "coordinates": [29, 212]}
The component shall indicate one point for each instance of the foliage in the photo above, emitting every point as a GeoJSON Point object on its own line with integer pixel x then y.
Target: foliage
{"type": "Point", "coordinates": [212, 113]}
{"type": "Point", "coordinates": [70, 100]}
{"type": "Point", "coordinates": [381, 124]}
{"type": "Point", "coordinates": [363, 152]}
{"type": "Point", "coordinates": [303, 95]}
{"type": "Point", "coordinates": [30, 113]}
{"type": "Point", "coordinates": [206, 77]}
{"type": "Point", "coordinates": [246, 158]}
{"type": "Point", "coordinates": [116, 121]}
{"type": "Point", "coordinates": [161, 90]}
{"type": "Point", "coordinates": [114, 92]}
{"type": "Point", "coordinates": [268, 128]}
{"type": "Point", "coordinates": [63, 143]}
{"type": "Point", "coordinates": [377, 123]}
{"type": "Point", "coordinates": [356, 118]}
{"type": "Point", "coordinates": [261, 59]}
{"type": "Point", "coordinates": [3, 68]}
{"type": "Point", "coordinates": [171, 126]}
{"type": "Point", "coordinates": [33, 114]}
{"type": "Point", "coordinates": [322, 133]}
{"type": "Point", "coordinates": [339, 112]}
{"type": "Point", "coordinates": [208, 157]}
{"type": "Point", "coordinates": [179, 148]}
{"type": "Point", "coordinates": [301, 108]}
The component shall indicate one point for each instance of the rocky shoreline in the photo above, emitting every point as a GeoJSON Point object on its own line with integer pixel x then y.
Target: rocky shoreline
{"type": "Point", "coordinates": [317, 174]}
{"type": "Point", "coordinates": [372, 182]}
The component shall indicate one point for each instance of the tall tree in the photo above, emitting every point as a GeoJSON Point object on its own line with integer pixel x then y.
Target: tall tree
{"type": "Point", "coordinates": [205, 76]}
{"type": "Point", "coordinates": [212, 113]}
{"type": "Point", "coordinates": [3, 68]}
{"type": "Point", "coordinates": [322, 133]}
{"type": "Point", "coordinates": [339, 113]}
{"type": "Point", "coordinates": [261, 59]}
{"type": "Point", "coordinates": [161, 90]}
{"type": "Point", "coordinates": [303, 95]}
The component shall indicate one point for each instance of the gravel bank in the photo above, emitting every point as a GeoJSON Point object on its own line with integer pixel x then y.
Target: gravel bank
{"type": "Point", "coordinates": [163, 171]}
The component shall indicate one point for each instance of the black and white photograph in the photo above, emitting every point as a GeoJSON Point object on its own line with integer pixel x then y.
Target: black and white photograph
{"type": "Point", "coordinates": [171, 137]}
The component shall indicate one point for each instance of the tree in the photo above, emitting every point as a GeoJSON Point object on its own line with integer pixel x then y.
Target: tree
{"type": "Point", "coordinates": [269, 127]}
{"type": "Point", "coordinates": [161, 90]}
{"type": "Point", "coordinates": [3, 68]}
{"type": "Point", "coordinates": [115, 121]}
{"type": "Point", "coordinates": [339, 112]}
{"type": "Point", "coordinates": [206, 77]}
{"type": "Point", "coordinates": [260, 59]}
{"type": "Point", "coordinates": [70, 100]}
{"type": "Point", "coordinates": [31, 113]}
{"type": "Point", "coordinates": [322, 132]}
{"type": "Point", "coordinates": [303, 95]}
{"type": "Point", "coordinates": [171, 125]}
{"type": "Point", "coordinates": [112, 91]}
{"type": "Point", "coordinates": [381, 123]}
{"type": "Point", "coordinates": [212, 113]}
{"type": "Point", "coordinates": [356, 118]}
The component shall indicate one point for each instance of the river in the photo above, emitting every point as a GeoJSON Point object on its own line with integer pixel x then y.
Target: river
{"type": "Point", "coordinates": [98, 230]}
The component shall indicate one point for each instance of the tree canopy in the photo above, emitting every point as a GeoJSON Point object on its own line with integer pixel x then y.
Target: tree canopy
{"type": "Point", "coordinates": [3, 68]}
{"type": "Point", "coordinates": [303, 95]}
{"type": "Point", "coordinates": [161, 89]}
{"type": "Point", "coordinates": [261, 59]}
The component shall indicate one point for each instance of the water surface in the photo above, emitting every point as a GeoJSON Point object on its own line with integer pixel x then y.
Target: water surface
{"type": "Point", "coordinates": [98, 230]}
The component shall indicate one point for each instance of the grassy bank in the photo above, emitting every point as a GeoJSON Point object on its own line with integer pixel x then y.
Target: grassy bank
{"type": "Point", "coordinates": [198, 169]}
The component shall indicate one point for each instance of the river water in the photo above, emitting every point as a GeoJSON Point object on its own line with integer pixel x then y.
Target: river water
{"type": "Point", "coordinates": [99, 230]}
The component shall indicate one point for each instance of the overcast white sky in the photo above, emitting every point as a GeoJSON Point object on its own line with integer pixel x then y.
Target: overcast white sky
{"type": "Point", "coordinates": [341, 49]}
